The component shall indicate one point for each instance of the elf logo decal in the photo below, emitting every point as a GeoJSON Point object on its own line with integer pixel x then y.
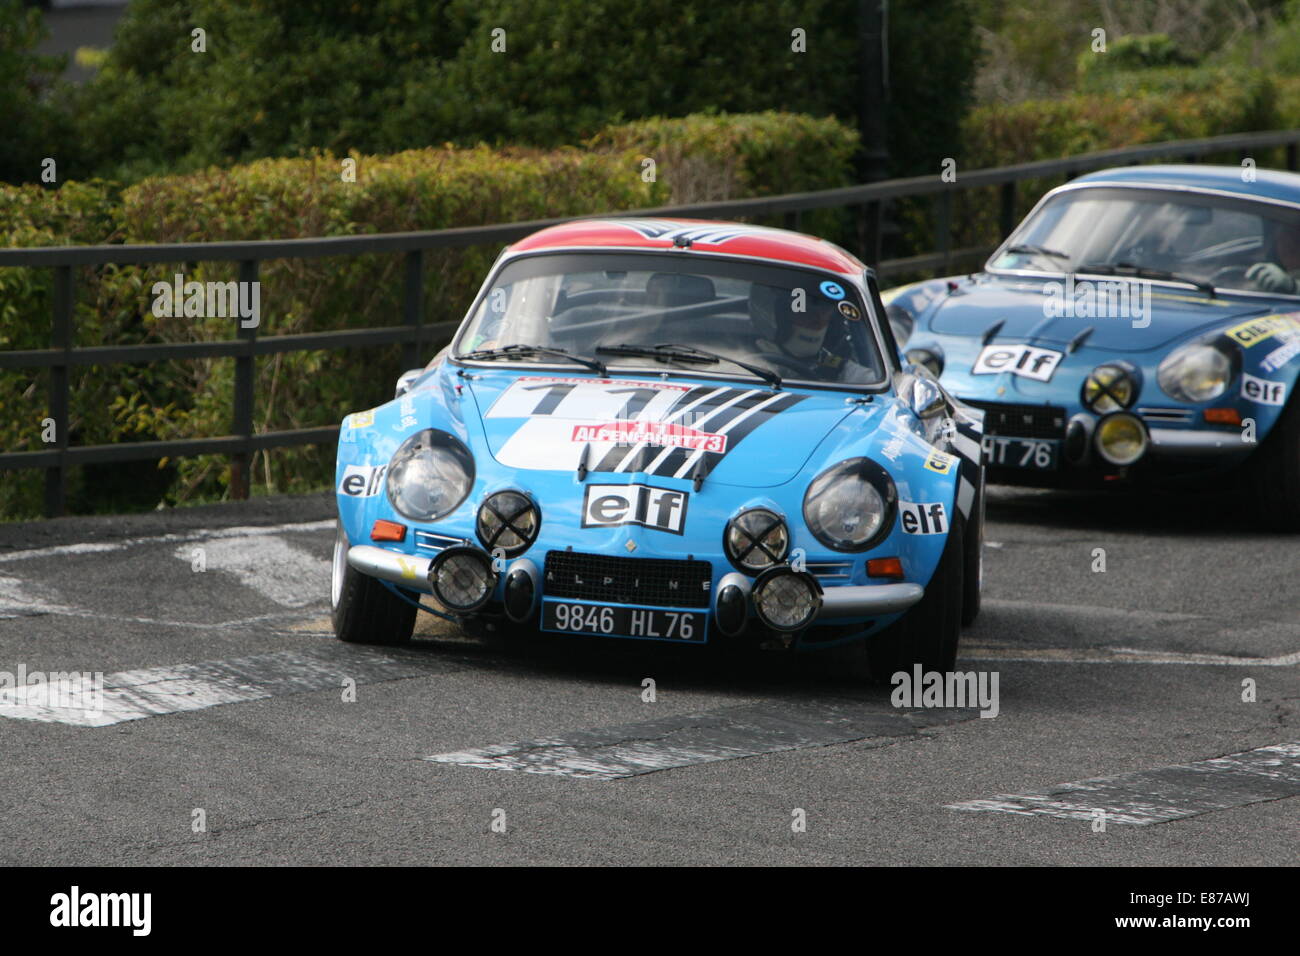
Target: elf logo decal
{"type": "Point", "coordinates": [361, 419]}
{"type": "Point", "coordinates": [1262, 390]}
{"type": "Point", "coordinates": [362, 481]}
{"type": "Point", "coordinates": [938, 461]}
{"type": "Point", "coordinates": [1038, 364]}
{"type": "Point", "coordinates": [607, 506]}
{"type": "Point", "coordinates": [918, 518]}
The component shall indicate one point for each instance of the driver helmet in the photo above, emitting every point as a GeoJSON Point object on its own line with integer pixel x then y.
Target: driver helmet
{"type": "Point", "coordinates": [800, 334]}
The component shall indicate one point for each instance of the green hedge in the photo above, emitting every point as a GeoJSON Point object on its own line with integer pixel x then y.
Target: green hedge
{"type": "Point", "coordinates": [290, 198]}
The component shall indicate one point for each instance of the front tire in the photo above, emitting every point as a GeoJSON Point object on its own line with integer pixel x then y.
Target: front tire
{"type": "Point", "coordinates": [362, 609]}
{"type": "Point", "coordinates": [929, 632]}
{"type": "Point", "coordinates": [972, 582]}
{"type": "Point", "coordinates": [1273, 473]}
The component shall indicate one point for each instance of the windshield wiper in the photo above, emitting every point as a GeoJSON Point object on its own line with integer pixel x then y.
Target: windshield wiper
{"type": "Point", "coordinates": [1142, 272]}
{"type": "Point", "coordinates": [688, 354]}
{"type": "Point", "coordinates": [1025, 248]}
{"type": "Point", "coordinates": [506, 351]}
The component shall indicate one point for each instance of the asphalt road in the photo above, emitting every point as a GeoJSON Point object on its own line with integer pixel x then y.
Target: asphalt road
{"type": "Point", "coordinates": [227, 710]}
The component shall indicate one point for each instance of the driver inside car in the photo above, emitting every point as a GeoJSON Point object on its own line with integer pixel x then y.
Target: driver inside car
{"type": "Point", "coordinates": [1283, 277]}
{"type": "Point", "coordinates": [801, 335]}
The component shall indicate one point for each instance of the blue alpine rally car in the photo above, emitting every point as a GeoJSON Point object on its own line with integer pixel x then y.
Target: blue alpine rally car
{"type": "Point", "coordinates": [683, 431]}
{"type": "Point", "coordinates": [1141, 324]}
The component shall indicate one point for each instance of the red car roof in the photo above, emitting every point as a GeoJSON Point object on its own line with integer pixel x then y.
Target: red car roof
{"type": "Point", "coordinates": [731, 238]}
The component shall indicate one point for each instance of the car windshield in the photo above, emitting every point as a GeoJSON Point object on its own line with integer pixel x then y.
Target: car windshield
{"type": "Point", "coordinates": [675, 312]}
{"type": "Point", "coordinates": [1161, 234]}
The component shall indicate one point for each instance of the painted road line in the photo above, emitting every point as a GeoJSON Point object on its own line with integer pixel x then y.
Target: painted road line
{"type": "Point", "coordinates": [155, 691]}
{"type": "Point", "coordinates": [267, 564]}
{"type": "Point", "coordinates": [99, 547]}
{"type": "Point", "coordinates": [726, 734]}
{"type": "Point", "coordinates": [1164, 794]}
{"type": "Point", "coordinates": [1011, 653]}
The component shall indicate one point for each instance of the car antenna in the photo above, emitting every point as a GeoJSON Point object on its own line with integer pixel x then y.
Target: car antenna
{"type": "Point", "coordinates": [582, 462]}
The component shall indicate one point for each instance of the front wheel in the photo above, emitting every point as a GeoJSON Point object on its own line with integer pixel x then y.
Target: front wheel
{"type": "Point", "coordinates": [929, 632]}
{"type": "Point", "coordinates": [363, 610]}
{"type": "Point", "coordinates": [1274, 472]}
{"type": "Point", "coordinates": [973, 564]}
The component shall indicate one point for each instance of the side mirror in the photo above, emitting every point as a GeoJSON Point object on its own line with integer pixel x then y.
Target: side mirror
{"type": "Point", "coordinates": [927, 398]}
{"type": "Point", "coordinates": [406, 380]}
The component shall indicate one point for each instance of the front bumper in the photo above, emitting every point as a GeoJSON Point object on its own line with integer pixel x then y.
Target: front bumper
{"type": "Point", "coordinates": [839, 602]}
{"type": "Point", "coordinates": [408, 570]}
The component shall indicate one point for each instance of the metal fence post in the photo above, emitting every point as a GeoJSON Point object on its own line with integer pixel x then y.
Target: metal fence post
{"type": "Point", "coordinates": [413, 307]}
{"type": "Point", "coordinates": [1291, 155]}
{"type": "Point", "coordinates": [1007, 210]}
{"type": "Point", "coordinates": [943, 231]}
{"type": "Point", "coordinates": [245, 373]}
{"type": "Point", "coordinates": [56, 477]}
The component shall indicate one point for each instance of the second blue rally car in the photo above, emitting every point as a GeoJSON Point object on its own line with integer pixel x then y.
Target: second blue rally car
{"type": "Point", "coordinates": [1140, 323]}
{"type": "Point", "coordinates": [669, 430]}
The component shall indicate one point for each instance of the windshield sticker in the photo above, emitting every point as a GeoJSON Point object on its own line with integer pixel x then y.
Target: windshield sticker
{"type": "Point", "coordinates": [832, 290]}
{"type": "Point", "coordinates": [849, 311]}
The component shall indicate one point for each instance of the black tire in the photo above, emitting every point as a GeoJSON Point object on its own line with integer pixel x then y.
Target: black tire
{"type": "Point", "coordinates": [972, 579]}
{"type": "Point", "coordinates": [1273, 473]}
{"type": "Point", "coordinates": [362, 609]}
{"type": "Point", "coordinates": [927, 634]}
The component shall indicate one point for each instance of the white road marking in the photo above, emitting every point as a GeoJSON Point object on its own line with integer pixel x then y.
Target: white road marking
{"type": "Point", "coordinates": [267, 564]}
{"type": "Point", "coordinates": [1092, 611]}
{"type": "Point", "coordinates": [19, 598]}
{"type": "Point", "coordinates": [103, 546]}
{"type": "Point", "coordinates": [1011, 653]}
{"type": "Point", "coordinates": [1167, 793]}
{"type": "Point", "coordinates": [155, 691]}
{"type": "Point", "coordinates": [626, 750]}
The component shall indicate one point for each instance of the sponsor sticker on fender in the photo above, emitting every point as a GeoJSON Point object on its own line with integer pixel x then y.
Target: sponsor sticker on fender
{"type": "Point", "coordinates": [362, 481]}
{"type": "Point", "coordinates": [923, 517]}
{"type": "Point", "coordinates": [1254, 331]}
{"type": "Point", "coordinates": [1262, 390]}
{"type": "Point", "coordinates": [938, 461]}
{"type": "Point", "coordinates": [659, 434]}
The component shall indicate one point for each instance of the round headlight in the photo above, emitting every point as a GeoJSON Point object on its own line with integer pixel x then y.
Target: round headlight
{"type": "Point", "coordinates": [462, 578]}
{"type": "Point", "coordinates": [1110, 388]}
{"type": "Point", "coordinates": [787, 600]}
{"type": "Point", "coordinates": [1121, 439]}
{"type": "Point", "coordinates": [430, 475]}
{"type": "Point", "coordinates": [851, 506]}
{"type": "Point", "coordinates": [508, 520]}
{"type": "Point", "coordinates": [928, 359]}
{"type": "Point", "coordinates": [756, 540]}
{"type": "Point", "coordinates": [1195, 373]}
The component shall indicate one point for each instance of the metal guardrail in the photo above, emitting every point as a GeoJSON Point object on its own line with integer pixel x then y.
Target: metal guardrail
{"type": "Point", "coordinates": [413, 334]}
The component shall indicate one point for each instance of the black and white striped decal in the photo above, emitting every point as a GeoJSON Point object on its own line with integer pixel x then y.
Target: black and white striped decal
{"type": "Point", "coordinates": [967, 444]}
{"type": "Point", "coordinates": [732, 412]}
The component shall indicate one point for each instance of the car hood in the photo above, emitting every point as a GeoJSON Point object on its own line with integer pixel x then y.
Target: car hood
{"type": "Point", "coordinates": [733, 432]}
{"type": "Point", "coordinates": [1026, 313]}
